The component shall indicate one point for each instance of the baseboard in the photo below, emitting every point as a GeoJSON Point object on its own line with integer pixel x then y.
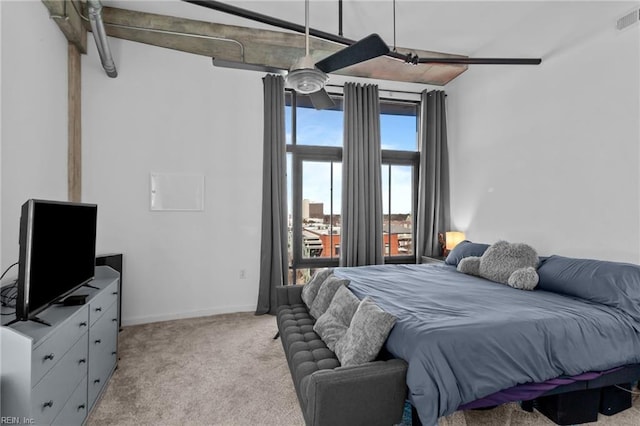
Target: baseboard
{"type": "Point", "coordinates": [190, 314]}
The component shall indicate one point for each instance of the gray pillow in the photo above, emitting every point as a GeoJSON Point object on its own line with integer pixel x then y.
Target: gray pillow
{"type": "Point", "coordinates": [333, 324]}
{"type": "Point", "coordinates": [368, 331]}
{"type": "Point", "coordinates": [613, 284]}
{"type": "Point", "coordinates": [465, 249]}
{"type": "Point", "coordinates": [325, 294]}
{"type": "Point", "coordinates": [310, 289]}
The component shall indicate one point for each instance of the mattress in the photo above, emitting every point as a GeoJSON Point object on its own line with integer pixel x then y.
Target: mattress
{"type": "Point", "coordinates": [465, 337]}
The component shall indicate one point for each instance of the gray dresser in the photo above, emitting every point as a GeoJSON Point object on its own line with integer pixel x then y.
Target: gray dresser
{"type": "Point", "coordinates": [54, 374]}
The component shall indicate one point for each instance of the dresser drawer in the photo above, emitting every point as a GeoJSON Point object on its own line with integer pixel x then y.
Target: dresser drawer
{"type": "Point", "coordinates": [104, 358]}
{"type": "Point", "coordinates": [55, 388]}
{"type": "Point", "coordinates": [103, 341]}
{"type": "Point", "coordinates": [75, 410]}
{"type": "Point", "coordinates": [49, 352]}
{"type": "Point", "coordinates": [98, 381]}
{"type": "Point", "coordinates": [103, 334]}
{"type": "Point", "coordinates": [99, 304]}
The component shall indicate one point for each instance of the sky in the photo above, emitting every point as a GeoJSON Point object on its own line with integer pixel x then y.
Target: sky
{"type": "Point", "coordinates": [325, 128]}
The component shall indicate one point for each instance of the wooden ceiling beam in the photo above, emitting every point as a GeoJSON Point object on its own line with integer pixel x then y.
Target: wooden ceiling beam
{"type": "Point", "coordinates": [270, 49]}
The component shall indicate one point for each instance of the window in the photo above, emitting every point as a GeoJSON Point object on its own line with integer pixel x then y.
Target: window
{"type": "Point", "coordinates": [314, 182]}
{"type": "Point", "coordinates": [397, 209]}
{"type": "Point", "coordinates": [400, 162]}
{"type": "Point", "coordinates": [321, 197]}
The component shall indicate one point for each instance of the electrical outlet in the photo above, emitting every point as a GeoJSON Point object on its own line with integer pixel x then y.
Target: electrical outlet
{"type": "Point", "coordinates": [243, 274]}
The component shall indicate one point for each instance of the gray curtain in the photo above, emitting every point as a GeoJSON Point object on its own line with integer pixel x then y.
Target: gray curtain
{"type": "Point", "coordinates": [433, 190]}
{"type": "Point", "coordinates": [361, 231]}
{"type": "Point", "coordinates": [273, 247]}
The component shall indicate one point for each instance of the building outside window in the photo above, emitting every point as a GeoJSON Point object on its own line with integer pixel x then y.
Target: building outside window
{"type": "Point", "coordinates": [314, 182]}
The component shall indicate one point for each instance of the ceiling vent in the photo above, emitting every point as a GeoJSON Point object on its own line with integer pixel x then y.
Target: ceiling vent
{"type": "Point", "coordinates": [629, 19]}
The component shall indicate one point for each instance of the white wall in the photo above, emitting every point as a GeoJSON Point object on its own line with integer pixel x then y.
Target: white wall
{"type": "Point", "coordinates": [550, 155]}
{"type": "Point", "coordinates": [172, 112]}
{"type": "Point", "coordinates": [33, 149]}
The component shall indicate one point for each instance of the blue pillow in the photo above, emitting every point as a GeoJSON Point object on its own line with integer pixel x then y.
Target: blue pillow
{"type": "Point", "coordinates": [609, 283]}
{"type": "Point", "coordinates": [465, 249]}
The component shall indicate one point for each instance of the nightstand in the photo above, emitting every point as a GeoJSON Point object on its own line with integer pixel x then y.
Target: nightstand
{"type": "Point", "coordinates": [434, 259]}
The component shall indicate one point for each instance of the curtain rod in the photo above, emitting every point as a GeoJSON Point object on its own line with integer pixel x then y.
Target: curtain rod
{"type": "Point", "coordinates": [403, 95]}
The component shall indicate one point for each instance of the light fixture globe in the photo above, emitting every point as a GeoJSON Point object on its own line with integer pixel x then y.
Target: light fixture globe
{"type": "Point", "coordinates": [305, 78]}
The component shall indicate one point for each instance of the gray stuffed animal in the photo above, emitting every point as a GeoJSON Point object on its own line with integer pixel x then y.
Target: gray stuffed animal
{"type": "Point", "coordinates": [512, 264]}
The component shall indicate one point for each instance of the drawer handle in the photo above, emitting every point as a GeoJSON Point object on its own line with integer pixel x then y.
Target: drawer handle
{"type": "Point", "coordinates": [98, 341]}
{"type": "Point", "coordinates": [49, 357]}
{"type": "Point", "coordinates": [115, 320]}
{"type": "Point", "coordinates": [115, 293]}
{"type": "Point", "coordinates": [81, 407]}
{"type": "Point", "coordinates": [96, 381]}
{"type": "Point", "coordinates": [48, 404]}
{"type": "Point", "coordinates": [82, 361]}
{"type": "Point", "coordinates": [83, 324]}
{"type": "Point", "coordinates": [98, 309]}
{"type": "Point", "coordinates": [114, 353]}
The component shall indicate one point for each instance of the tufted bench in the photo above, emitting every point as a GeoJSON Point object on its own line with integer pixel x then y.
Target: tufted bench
{"type": "Point", "coordinates": [369, 394]}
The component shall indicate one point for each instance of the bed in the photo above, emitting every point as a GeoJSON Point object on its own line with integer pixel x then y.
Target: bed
{"type": "Point", "coordinates": [465, 337]}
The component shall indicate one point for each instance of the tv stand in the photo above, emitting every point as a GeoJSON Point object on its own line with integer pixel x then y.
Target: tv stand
{"type": "Point", "coordinates": [90, 286]}
{"type": "Point", "coordinates": [40, 321]}
{"type": "Point", "coordinates": [34, 319]}
{"type": "Point", "coordinates": [54, 374]}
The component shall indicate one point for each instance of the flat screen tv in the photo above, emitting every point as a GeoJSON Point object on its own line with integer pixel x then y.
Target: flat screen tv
{"type": "Point", "coordinates": [57, 253]}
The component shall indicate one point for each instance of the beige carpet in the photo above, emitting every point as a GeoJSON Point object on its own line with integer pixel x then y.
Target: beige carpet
{"type": "Point", "coordinates": [227, 370]}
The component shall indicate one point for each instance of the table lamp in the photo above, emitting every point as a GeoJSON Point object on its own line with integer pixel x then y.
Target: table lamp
{"type": "Point", "coordinates": [451, 239]}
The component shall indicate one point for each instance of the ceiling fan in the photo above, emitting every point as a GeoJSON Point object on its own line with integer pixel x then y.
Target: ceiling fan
{"type": "Point", "coordinates": [306, 77]}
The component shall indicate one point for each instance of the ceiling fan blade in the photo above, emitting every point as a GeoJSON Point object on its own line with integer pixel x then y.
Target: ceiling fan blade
{"type": "Point", "coordinates": [369, 47]}
{"type": "Point", "coordinates": [321, 99]}
{"type": "Point", "coordinates": [481, 61]}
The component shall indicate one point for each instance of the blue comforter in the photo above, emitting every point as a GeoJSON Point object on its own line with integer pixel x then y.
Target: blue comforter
{"type": "Point", "coordinates": [465, 337]}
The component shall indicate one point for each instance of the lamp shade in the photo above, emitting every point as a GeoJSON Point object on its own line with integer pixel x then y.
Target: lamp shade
{"type": "Point", "coordinates": [453, 238]}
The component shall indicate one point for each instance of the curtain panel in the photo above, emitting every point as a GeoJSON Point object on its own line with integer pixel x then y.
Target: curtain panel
{"type": "Point", "coordinates": [433, 214]}
{"type": "Point", "coordinates": [273, 246]}
{"type": "Point", "coordinates": [361, 230]}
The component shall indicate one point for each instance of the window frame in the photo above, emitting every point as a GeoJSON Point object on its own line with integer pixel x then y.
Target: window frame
{"type": "Point", "coordinates": [300, 154]}
{"type": "Point", "coordinates": [316, 153]}
{"type": "Point", "coordinates": [404, 158]}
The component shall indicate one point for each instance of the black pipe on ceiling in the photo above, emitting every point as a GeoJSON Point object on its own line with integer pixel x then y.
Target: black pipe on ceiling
{"type": "Point", "coordinates": [269, 20]}
{"type": "Point", "coordinates": [340, 18]}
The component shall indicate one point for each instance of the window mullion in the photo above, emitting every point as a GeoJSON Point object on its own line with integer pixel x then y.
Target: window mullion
{"type": "Point", "coordinates": [297, 209]}
{"type": "Point", "coordinates": [294, 119]}
{"type": "Point", "coordinates": [331, 211]}
{"type": "Point", "coordinates": [389, 213]}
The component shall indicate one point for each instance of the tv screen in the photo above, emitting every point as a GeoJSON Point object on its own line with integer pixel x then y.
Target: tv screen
{"type": "Point", "coordinates": [57, 252]}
